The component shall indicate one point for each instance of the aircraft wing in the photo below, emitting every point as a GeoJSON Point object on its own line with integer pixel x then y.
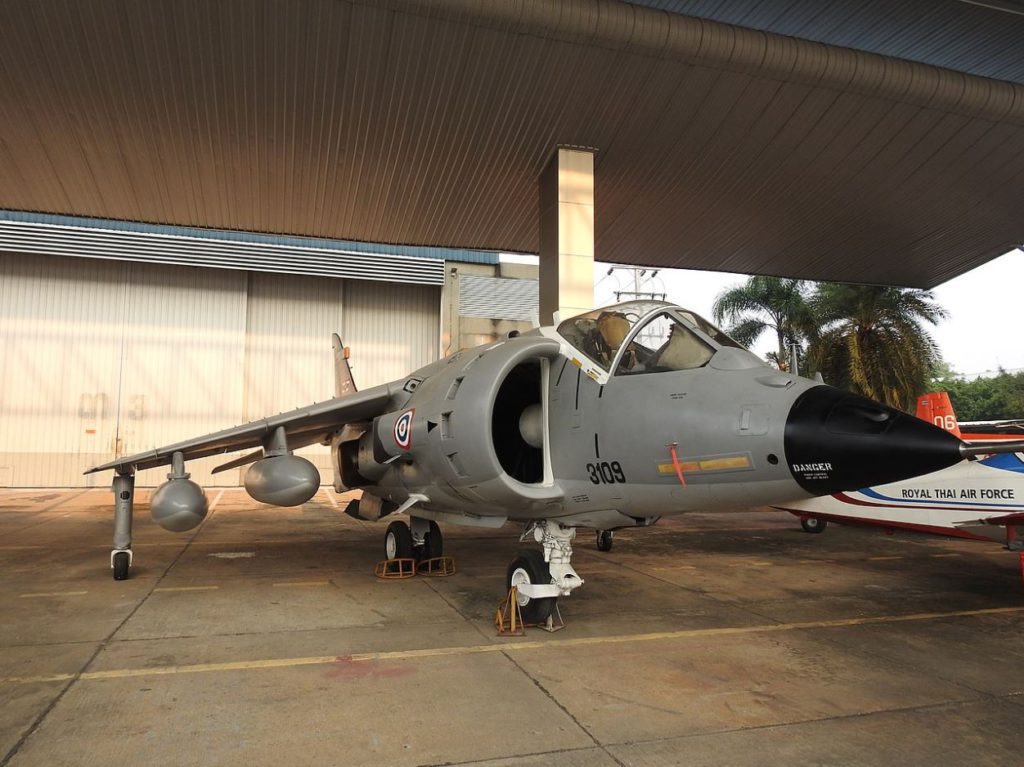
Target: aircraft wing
{"type": "Point", "coordinates": [304, 426]}
{"type": "Point", "coordinates": [1014, 518]}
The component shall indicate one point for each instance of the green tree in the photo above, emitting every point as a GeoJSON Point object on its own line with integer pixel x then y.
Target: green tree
{"type": "Point", "coordinates": [998, 398]}
{"type": "Point", "coordinates": [872, 340]}
{"type": "Point", "coordinates": [766, 303]}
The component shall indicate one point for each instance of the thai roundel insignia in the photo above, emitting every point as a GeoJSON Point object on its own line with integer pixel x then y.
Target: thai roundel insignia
{"type": "Point", "coordinates": [403, 429]}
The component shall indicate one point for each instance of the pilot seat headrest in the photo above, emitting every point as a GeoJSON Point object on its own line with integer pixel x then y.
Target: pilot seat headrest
{"type": "Point", "coordinates": [613, 327]}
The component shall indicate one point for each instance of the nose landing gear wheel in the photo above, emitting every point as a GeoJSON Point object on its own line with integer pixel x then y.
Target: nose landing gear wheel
{"type": "Point", "coordinates": [813, 524]}
{"type": "Point", "coordinates": [605, 539]}
{"type": "Point", "coordinates": [529, 567]}
{"type": "Point", "coordinates": [398, 541]}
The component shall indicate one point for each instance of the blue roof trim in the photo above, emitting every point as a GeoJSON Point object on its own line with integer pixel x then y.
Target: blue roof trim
{"type": "Point", "coordinates": [416, 251]}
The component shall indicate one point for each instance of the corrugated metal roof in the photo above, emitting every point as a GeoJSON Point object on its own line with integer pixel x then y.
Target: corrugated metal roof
{"type": "Point", "coordinates": [978, 37]}
{"type": "Point", "coordinates": [428, 121]}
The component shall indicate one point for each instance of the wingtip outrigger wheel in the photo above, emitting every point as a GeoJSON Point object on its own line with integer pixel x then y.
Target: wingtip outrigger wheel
{"type": "Point", "coordinates": [124, 498]}
{"type": "Point", "coordinates": [605, 540]}
{"type": "Point", "coordinates": [120, 563]}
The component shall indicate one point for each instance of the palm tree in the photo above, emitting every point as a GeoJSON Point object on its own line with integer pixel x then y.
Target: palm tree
{"type": "Point", "coordinates": [872, 340]}
{"type": "Point", "coordinates": [766, 303]}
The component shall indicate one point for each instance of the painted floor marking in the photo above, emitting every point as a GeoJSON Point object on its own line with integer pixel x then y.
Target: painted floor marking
{"type": "Point", "coordinates": [186, 588]}
{"type": "Point", "coordinates": [668, 567]}
{"type": "Point", "coordinates": [302, 584]}
{"type": "Point", "coordinates": [681, 529]}
{"type": "Point", "coordinates": [944, 555]}
{"type": "Point", "coordinates": [500, 647]}
{"type": "Point", "coordinates": [330, 497]}
{"type": "Point", "coordinates": [233, 554]}
{"type": "Point", "coordinates": [52, 594]}
{"type": "Point", "coordinates": [217, 500]}
{"type": "Point", "coordinates": [174, 544]}
{"type": "Point", "coordinates": [883, 559]}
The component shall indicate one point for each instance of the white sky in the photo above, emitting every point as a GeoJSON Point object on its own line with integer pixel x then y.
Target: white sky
{"type": "Point", "coordinates": [979, 336]}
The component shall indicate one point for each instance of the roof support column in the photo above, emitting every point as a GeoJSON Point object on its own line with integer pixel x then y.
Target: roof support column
{"type": "Point", "coordinates": [567, 234]}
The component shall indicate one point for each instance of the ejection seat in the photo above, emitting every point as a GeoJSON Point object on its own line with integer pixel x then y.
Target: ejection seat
{"type": "Point", "coordinates": [682, 351]}
{"type": "Point", "coordinates": [613, 328]}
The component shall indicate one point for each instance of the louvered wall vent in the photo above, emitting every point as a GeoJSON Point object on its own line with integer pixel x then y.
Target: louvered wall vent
{"type": "Point", "coordinates": [499, 298]}
{"type": "Point", "coordinates": [83, 242]}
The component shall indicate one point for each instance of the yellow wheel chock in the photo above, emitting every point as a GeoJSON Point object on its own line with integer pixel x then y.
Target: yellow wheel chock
{"type": "Point", "coordinates": [508, 620]}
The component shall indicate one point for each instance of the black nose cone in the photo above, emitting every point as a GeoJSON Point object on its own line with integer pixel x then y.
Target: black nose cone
{"type": "Point", "coordinates": [838, 441]}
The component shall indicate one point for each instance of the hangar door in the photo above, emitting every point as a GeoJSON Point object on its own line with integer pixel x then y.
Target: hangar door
{"type": "Point", "coordinates": [99, 358]}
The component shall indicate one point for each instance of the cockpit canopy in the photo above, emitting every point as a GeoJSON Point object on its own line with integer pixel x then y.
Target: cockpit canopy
{"type": "Point", "coordinates": [658, 337]}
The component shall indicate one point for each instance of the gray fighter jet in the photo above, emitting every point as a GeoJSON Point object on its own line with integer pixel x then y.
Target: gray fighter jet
{"type": "Point", "coordinates": [608, 420]}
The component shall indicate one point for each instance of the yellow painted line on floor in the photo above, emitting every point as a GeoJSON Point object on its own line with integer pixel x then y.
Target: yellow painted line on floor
{"type": "Point", "coordinates": [217, 500]}
{"type": "Point", "coordinates": [883, 559]}
{"type": "Point", "coordinates": [669, 567]}
{"type": "Point", "coordinates": [187, 588]}
{"type": "Point", "coordinates": [302, 584]}
{"type": "Point", "coordinates": [330, 497]}
{"type": "Point", "coordinates": [679, 528]}
{"type": "Point", "coordinates": [943, 555]}
{"type": "Point", "coordinates": [174, 544]}
{"type": "Point", "coordinates": [195, 544]}
{"type": "Point", "coordinates": [52, 594]}
{"type": "Point", "coordinates": [502, 647]}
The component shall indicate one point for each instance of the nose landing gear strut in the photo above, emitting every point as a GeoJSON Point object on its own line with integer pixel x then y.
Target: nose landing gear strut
{"type": "Point", "coordinates": [540, 579]}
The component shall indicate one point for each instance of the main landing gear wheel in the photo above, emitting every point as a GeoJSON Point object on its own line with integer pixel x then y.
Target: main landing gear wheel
{"type": "Point", "coordinates": [398, 541]}
{"type": "Point", "coordinates": [433, 542]}
{"type": "Point", "coordinates": [605, 539]}
{"type": "Point", "coordinates": [813, 524]}
{"type": "Point", "coordinates": [121, 562]}
{"type": "Point", "coordinates": [529, 567]}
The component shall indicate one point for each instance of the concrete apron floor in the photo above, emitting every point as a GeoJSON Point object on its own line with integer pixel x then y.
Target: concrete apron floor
{"type": "Point", "coordinates": [732, 638]}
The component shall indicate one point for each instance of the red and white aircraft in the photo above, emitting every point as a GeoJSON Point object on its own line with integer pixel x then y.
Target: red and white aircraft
{"type": "Point", "coordinates": [936, 408]}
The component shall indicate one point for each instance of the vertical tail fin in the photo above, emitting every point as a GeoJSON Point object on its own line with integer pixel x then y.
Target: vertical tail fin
{"type": "Point", "coordinates": [344, 384]}
{"type": "Point", "coordinates": [935, 408]}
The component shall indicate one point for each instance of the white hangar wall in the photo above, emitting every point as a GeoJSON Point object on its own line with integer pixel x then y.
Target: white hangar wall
{"type": "Point", "coordinates": [98, 356]}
